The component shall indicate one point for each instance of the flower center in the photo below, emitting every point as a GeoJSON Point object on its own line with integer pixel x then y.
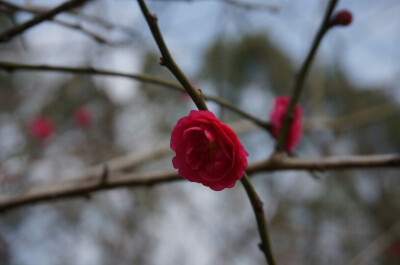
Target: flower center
{"type": "Point", "coordinates": [211, 148]}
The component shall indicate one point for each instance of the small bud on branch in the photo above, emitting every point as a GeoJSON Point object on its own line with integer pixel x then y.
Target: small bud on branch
{"type": "Point", "coordinates": [341, 18]}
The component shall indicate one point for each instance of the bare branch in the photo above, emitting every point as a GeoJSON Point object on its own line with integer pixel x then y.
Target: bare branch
{"type": "Point", "coordinates": [167, 60]}
{"type": "Point", "coordinates": [10, 33]}
{"type": "Point", "coordinates": [301, 77]}
{"type": "Point", "coordinates": [78, 27]}
{"type": "Point", "coordinates": [244, 5]}
{"type": "Point", "coordinates": [80, 187]}
{"type": "Point", "coordinates": [262, 225]}
{"type": "Point", "coordinates": [139, 77]}
{"type": "Point", "coordinates": [328, 163]}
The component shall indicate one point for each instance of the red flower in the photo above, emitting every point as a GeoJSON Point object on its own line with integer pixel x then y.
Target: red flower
{"type": "Point", "coordinates": [277, 116]}
{"type": "Point", "coordinates": [41, 128]}
{"type": "Point", "coordinates": [83, 117]}
{"type": "Point", "coordinates": [343, 18]}
{"type": "Point", "coordinates": [207, 151]}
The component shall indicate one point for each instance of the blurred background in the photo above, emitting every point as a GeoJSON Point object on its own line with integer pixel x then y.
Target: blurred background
{"type": "Point", "coordinates": [54, 125]}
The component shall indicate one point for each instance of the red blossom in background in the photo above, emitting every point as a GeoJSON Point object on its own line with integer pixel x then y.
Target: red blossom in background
{"type": "Point", "coordinates": [207, 151]}
{"type": "Point", "coordinates": [342, 18]}
{"type": "Point", "coordinates": [83, 117]}
{"type": "Point", "coordinates": [41, 128]}
{"type": "Point", "coordinates": [277, 116]}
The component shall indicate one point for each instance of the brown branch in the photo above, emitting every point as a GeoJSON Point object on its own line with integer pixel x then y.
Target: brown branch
{"type": "Point", "coordinates": [262, 225]}
{"type": "Point", "coordinates": [83, 187]}
{"type": "Point", "coordinates": [302, 75]}
{"type": "Point", "coordinates": [125, 162]}
{"type": "Point", "coordinates": [13, 7]}
{"type": "Point", "coordinates": [327, 163]}
{"type": "Point", "coordinates": [167, 60]}
{"type": "Point", "coordinates": [10, 66]}
{"type": "Point", "coordinates": [244, 5]}
{"type": "Point", "coordinates": [10, 33]}
{"type": "Point", "coordinates": [80, 187]}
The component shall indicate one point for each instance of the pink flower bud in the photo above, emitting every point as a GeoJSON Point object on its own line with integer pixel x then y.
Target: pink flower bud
{"type": "Point", "coordinates": [83, 117]}
{"type": "Point", "coordinates": [343, 18]}
{"type": "Point", "coordinates": [207, 151]}
{"type": "Point", "coordinates": [41, 128]}
{"type": "Point", "coordinates": [277, 117]}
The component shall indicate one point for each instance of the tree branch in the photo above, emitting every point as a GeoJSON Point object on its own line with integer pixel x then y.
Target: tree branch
{"type": "Point", "coordinates": [167, 59]}
{"type": "Point", "coordinates": [80, 187]}
{"type": "Point", "coordinates": [299, 83]}
{"type": "Point", "coordinates": [94, 36]}
{"type": "Point", "coordinates": [258, 209]}
{"type": "Point", "coordinates": [244, 5]}
{"type": "Point", "coordinates": [9, 66]}
{"type": "Point", "coordinates": [327, 163]}
{"type": "Point", "coordinates": [10, 33]}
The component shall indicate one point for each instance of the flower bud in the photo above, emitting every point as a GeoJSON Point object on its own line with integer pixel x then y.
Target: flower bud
{"type": "Point", "coordinates": [342, 18]}
{"type": "Point", "coordinates": [277, 117]}
{"type": "Point", "coordinates": [41, 128]}
{"type": "Point", "coordinates": [83, 117]}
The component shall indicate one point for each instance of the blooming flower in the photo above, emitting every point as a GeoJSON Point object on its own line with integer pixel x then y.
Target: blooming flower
{"type": "Point", "coordinates": [277, 116]}
{"type": "Point", "coordinates": [41, 128]}
{"type": "Point", "coordinates": [83, 117]}
{"type": "Point", "coordinates": [207, 151]}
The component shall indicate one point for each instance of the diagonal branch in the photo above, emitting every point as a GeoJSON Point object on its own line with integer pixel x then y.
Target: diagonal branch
{"type": "Point", "coordinates": [80, 187]}
{"type": "Point", "coordinates": [258, 209]}
{"type": "Point", "coordinates": [10, 33]}
{"type": "Point", "coordinates": [167, 59]}
{"type": "Point", "coordinates": [301, 77]}
{"type": "Point", "coordinates": [14, 7]}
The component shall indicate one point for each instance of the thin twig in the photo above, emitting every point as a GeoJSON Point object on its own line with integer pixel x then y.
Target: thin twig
{"type": "Point", "coordinates": [167, 59]}
{"type": "Point", "coordinates": [10, 33]}
{"type": "Point", "coordinates": [14, 7]}
{"type": "Point", "coordinates": [78, 186]}
{"type": "Point", "coordinates": [232, 107]}
{"type": "Point", "coordinates": [10, 66]}
{"type": "Point", "coordinates": [299, 83]}
{"type": "Point", "coordinates": [257, 205]}
{"type": "Point", "coordinates": [244, 5]}
{"type": "Point", "coordinates": [106, 24]}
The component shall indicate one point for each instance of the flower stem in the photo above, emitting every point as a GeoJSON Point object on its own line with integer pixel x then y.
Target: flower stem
{"type": "Point", "coordinates": [299, 83]}
{"type": "Point", "coordinates": [257, 205]}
